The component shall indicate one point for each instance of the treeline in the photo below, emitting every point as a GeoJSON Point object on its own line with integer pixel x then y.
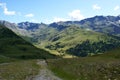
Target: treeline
{"type": "Point", "coordinates": [88, 48]}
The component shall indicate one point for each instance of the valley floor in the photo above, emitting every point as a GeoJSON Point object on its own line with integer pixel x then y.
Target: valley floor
{"type": "Point", "coordinates": [99, 67]}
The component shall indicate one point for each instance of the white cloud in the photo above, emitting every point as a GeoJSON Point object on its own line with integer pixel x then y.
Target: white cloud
{"type": "Point", "coordinates": [76, 15]}
{"type": "Point", "coordinates": [96, 7]}
{"type": "Point", "coordinates": [116, 8]}
{"type": "Point", "coordinates": [29, 15]}
{"type": "Point", "coordinates": [5, 9]}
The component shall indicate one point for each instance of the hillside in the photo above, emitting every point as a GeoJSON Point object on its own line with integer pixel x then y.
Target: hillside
{"type": "Point", "coordinates": [98, 67]}
{"type": "Point", "coordinates": [72, 36]}
{"type": "Point", "coordinates": [86, 68]}
{"type": "Point", "coordinates": [12, 46]}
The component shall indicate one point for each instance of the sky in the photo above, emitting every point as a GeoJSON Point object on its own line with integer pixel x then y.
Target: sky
{"type": "Point", "coordinates": [48, 11]}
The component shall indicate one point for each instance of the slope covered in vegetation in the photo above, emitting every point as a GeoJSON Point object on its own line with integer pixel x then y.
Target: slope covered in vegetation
{"type": "Point", "coordinates": [99, 67]}
{"type": "Point", "coordinates": [12, 46]}
{"type": "Point", "coordinates": [80, 42]}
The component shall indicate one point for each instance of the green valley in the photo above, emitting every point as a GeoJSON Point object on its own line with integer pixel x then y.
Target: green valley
{"type": "Point", "coordinates": [59, 39]}
{"type": "Point", "coordinates": [63, 50]}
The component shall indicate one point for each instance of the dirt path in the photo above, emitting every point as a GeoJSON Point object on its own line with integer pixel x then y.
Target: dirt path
{"type": "Point", "coordinates": [44, 73]}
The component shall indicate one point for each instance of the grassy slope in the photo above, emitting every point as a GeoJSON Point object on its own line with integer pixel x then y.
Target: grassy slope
{"type": "Point", "coordinates": [70, 37]}
{"type": "Point", "coordinates": [12, 46]}
{"type": "Point", "coordinates": [100, 67]}
{"type": "Point", "coordinates": [74, 35]}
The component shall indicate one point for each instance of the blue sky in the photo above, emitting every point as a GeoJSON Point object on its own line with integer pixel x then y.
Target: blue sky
{"type": "Point", "coordinates": [48, 11]}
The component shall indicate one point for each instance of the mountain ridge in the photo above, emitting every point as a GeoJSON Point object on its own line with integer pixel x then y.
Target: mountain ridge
{"type": "Point", "coordinates": [62, 36]}
{"type": "Point", "coordinates": [103, 24]}
{"type": "Point", "coordinates": [96, 23]}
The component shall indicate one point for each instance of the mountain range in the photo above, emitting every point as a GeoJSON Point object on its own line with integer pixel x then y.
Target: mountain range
{"type": "Point", "coordinates": [104, 24]}
{"type": "Point", "coordinates": [80, 38]}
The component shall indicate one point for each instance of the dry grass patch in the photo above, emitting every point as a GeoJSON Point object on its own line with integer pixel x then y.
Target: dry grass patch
{"type": "Point", "coordinates": [19, 70]}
